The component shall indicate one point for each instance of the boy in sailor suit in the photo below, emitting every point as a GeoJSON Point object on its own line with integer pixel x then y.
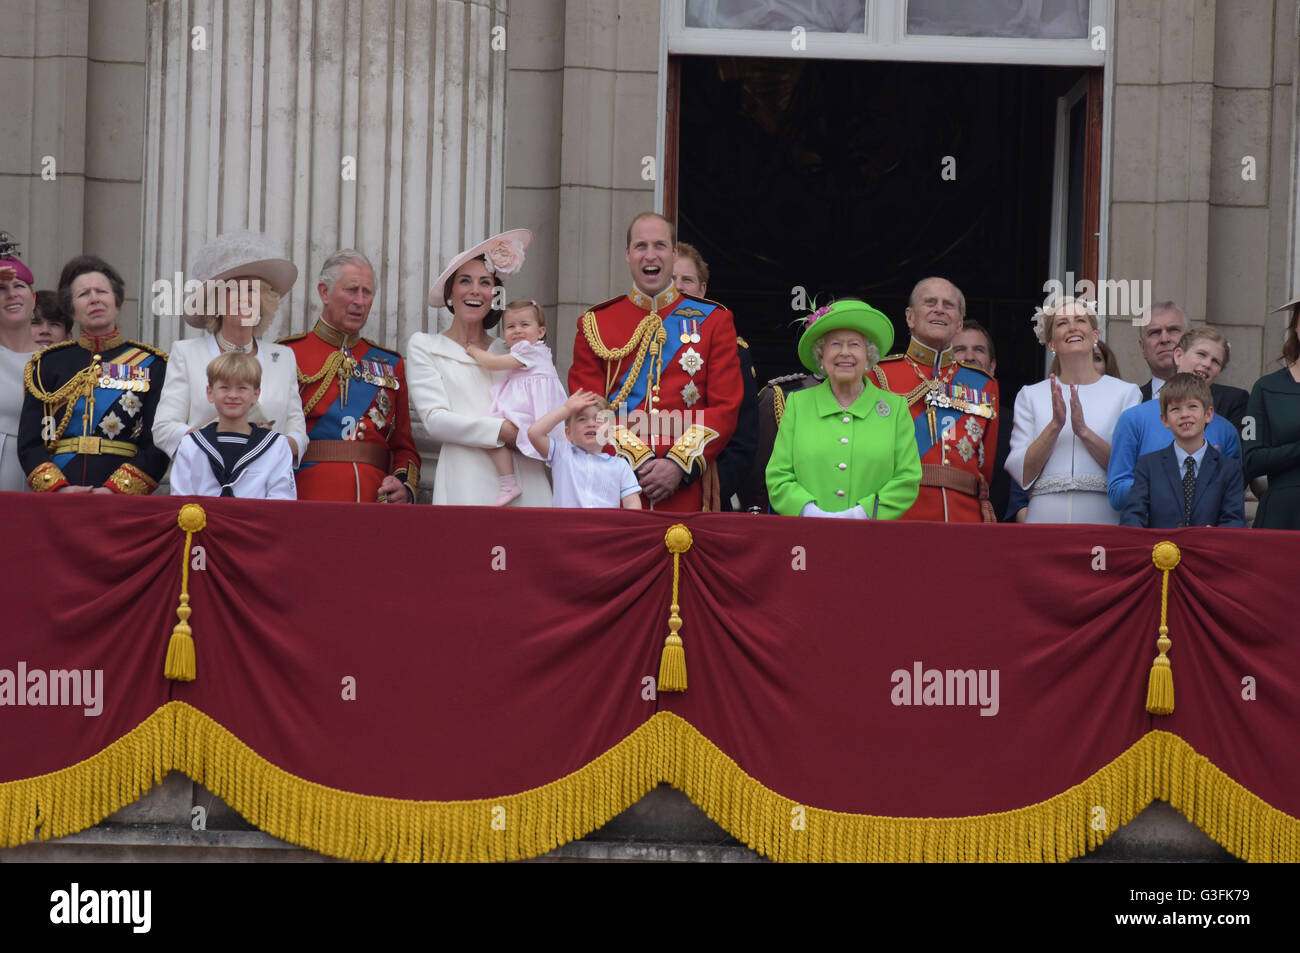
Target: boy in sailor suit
{"type": "Point", "coordinates": [231, 457]}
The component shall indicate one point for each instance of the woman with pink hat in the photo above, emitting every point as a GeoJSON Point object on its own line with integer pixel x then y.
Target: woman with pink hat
{"type": "Point", "coordinates": [16, 345]}
{"type": "Point", "coordinates": [243, 280]}
{"type": "Point", "coordinates": [451, 392]}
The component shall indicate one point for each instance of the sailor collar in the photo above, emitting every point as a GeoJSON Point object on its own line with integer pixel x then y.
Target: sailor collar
{"type": "Point", "coordinates": [928, 357]}
{"type": "Point", "coordinates": [658, 303]}
{"type": "Point", "coordinates": [105, 342]}
{"type": "Point", "coordinates": [332, 335]}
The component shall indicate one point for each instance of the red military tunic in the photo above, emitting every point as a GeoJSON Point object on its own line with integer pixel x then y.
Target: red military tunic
{"type": "Point", "coordinates": [954, 406]}
{"type": "Point", "coordinates": [670, 367]}
{"type": "Point", "coordinates": [358, 417]}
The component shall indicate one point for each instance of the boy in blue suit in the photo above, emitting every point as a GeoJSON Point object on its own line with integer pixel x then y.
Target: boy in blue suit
{"type": "Point", "coordinates": [1188, 483]}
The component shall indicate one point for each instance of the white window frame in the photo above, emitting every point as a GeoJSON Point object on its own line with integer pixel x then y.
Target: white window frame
{"type": "Point", "coordinates": [885, 38]}
{"type": "Point", "coordinates": [1060, 176]}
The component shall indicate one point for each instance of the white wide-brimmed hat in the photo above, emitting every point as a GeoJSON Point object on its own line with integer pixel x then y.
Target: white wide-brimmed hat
{"type": "Point", "coordinates": [503, 253]}
{"type": "Point", "coordinates": [241, 254]}
{"type": "Point", "coordinates": [1288, 306]}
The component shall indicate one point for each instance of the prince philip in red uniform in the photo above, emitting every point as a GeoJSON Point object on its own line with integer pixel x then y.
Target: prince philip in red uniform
{"type": "Point", "coordinates": [668, 364]}
{"type": "Point", "coordinates": [954, 407]}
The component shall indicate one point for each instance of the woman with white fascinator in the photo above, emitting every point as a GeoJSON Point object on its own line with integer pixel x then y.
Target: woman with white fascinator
{"type": "Point", "coordinates": [243, 282]}
{"type": "Point", "coordinates": [1060, 446]}
{"type": "Point", "coordinates": [452, 394]}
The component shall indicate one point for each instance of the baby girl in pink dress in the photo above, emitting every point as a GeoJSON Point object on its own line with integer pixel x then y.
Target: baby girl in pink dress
{"type": "Point", "coordinates": [531, 390]}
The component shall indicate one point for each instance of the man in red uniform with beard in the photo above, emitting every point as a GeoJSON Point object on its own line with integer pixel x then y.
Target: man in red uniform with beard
{"type": "Point", "coordinates": [954, 406]}
{"type": "Point", "coordinates": [668, 364]}
{"type": "Point", "coordinates": [354, 397]}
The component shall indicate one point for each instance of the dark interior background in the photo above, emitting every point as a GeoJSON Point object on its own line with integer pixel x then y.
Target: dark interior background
{"type": "Point", "coordinates": [826, 174]}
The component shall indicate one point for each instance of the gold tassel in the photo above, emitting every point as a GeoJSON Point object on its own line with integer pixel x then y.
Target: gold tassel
{"type": "Point", "coordinates": [181, 665]}
{"type": "Point", "coordinates": [1160, 684]}
{"type": "Point", "coordinates": [672, 661]}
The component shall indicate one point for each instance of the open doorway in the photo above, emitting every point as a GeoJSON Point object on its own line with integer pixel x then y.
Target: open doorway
{"type": "Point", "coordinates": [857, 178]}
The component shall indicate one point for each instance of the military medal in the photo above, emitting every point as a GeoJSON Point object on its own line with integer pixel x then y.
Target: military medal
{"type": "Point", "coordinates": [685, 336]}
{"type": "Point", "coordinates": [691, 361]}
{"type": "Point", "coordinates": [695, 331]}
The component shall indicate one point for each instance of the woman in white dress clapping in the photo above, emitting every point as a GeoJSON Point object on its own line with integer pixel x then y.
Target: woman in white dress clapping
{"type": "Point", "coordinates": [1060, 445]}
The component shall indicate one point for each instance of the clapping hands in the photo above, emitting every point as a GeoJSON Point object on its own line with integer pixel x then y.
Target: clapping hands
{"type": "Point", "coordinates": [1077, 422]}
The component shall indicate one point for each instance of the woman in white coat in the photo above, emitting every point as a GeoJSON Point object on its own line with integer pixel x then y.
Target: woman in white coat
{"type": "Point", "coordinates": [452, 394]}
{"type": "Point", "coordinates": [231, 324]}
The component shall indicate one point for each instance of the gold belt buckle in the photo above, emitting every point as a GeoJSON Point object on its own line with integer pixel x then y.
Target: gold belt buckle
{"type": "Point", "coordinates": [88, 445]}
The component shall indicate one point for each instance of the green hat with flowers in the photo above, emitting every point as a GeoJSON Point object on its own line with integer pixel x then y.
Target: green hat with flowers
{"type": "Point", "coordinates": [847, 313]}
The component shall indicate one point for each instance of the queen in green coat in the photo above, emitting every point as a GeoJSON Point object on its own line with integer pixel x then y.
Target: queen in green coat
{"type": "Point", "coordinates": [845, 448]}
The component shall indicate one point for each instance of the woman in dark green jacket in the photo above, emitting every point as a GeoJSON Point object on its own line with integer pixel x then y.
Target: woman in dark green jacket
{"type": "Point", "coordinates": [1270, 434]}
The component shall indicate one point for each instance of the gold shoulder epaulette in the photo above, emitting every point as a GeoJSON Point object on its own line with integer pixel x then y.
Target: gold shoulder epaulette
{"type": "Point", "coordinates": [156, 351]}
{"type": "Point", "coordinates": [716, 304]}
{"type": "Point", "coordinates": [384, 347]}
{"type": "Point", "coordinates": [32, 368]}
{"type": "Point", "coordinates": [291, 337]}
{"type": "Point", "coordinates": [606, 304]}
{"type": "Point", "coordinates": [786, 379]}
{"type": "Point", "coordinates": [974, 367]}
{"type": "Point", "coordinates": [891, 357]}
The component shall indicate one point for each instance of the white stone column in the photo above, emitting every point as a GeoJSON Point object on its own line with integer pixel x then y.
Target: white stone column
{"type": "Point", "coordinates": [253, 106]}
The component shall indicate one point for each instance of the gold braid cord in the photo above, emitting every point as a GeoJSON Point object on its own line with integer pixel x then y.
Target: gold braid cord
{"type": "Point", "coordinates": [326, 377]}
{"type": "Point", "coordinates": [180, 664]}
{"type": "Point", "coordinates": [778, 403]}
{"type": "Point", "coordinates": [640, 341]}
{"type": "Point", "coordinates": [81, 384]}
{"type": "Point", "coordinates": [911, 396]}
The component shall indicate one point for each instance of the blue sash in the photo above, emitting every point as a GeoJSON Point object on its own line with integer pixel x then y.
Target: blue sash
{"type": "Point", "coordinates": [361, 394]}
{"type": "Point", "coordinates": [105, 399]}
{"type": "Point", "coordinates": [699, 311]}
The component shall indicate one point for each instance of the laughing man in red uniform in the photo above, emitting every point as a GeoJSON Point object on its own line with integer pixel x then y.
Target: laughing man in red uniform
{"type": "Point", "coordinates": [669, 366]}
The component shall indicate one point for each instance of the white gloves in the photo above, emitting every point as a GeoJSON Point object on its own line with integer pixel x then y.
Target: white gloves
{"type": "Point", "coordinates": [812, 509]}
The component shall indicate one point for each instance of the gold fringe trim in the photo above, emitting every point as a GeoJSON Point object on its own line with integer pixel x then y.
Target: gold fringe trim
{"type": "Point", "coordinates": [1160, 766]}
{"type": "Point", "coordinates": [80, 796]}
{"type": "Point", "coordinates": [178, 737]}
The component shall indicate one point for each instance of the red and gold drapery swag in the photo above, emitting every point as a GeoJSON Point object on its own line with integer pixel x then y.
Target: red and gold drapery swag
{"type": "Point", "coordinates": [444, 683]}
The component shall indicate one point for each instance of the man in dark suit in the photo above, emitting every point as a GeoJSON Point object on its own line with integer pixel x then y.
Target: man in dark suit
{"type": "Point", "coordinates": [1157, 340]}
{"type": "Point", "coordinates": [1188, 483]}
{"type": "Point", "coordinates": [1162, 336]}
